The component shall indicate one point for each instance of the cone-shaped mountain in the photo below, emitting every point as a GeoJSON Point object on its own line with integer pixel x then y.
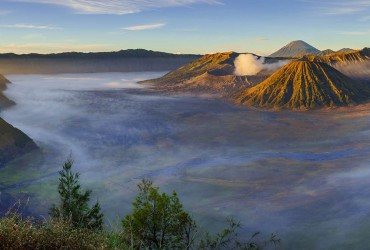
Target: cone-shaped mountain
{"type": "Point", "coordinates": [304, 84]}
{"type": "Point", "coordinates": [295, 48]}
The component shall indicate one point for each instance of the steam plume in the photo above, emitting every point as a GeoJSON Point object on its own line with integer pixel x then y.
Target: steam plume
{"type": "Point", "coordinates": [249, 65]}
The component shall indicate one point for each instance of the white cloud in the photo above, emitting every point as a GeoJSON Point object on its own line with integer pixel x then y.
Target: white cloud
{"type": "Point", "coordinates": [145, 27]}
{"type": "Point", "coordinates": [355, 33]}
{"type": "Point", "coordinates": [341, 10]}
{"type": "Point", "coordinates": [365, 18]}
{"type": "Point", "coordinates": [32, 36]}
{"type": "Point", "coordinates": [118, 7]}
{"type": "Point", "coordinates": [262, 39]}
{"type": "Point", "coordinates": [340, 7]}
{"type": "Point", "coordinates": [45, 48]}
{"type": "Point", "coordinates": [29, 26]}
{"type": "Point", "coordinates": [4, 12]}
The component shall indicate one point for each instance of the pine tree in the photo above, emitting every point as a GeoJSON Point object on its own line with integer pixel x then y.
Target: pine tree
{"type": "Point", "coordinates": [74, 203]}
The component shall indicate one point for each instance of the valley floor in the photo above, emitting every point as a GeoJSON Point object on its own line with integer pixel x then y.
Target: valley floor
{"type": "Point", "coordinates": [302, 175]}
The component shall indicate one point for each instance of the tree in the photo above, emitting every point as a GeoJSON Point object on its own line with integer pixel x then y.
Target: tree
{"type": "Point", "coordinates": [158, 221]}
{"type": "Point", "coordinates": [229, 238]}
{"type": "Point", "coordinates": [74, 203]}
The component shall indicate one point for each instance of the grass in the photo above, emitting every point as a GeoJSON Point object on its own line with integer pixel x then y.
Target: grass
{"type": "Point", "coordinates": [17, 232]}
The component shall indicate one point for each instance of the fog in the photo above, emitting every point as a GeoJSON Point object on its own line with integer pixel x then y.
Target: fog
{"type": "Point", "coordinates": [302, 175]}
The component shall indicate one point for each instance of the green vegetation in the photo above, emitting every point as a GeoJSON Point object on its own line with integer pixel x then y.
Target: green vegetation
{"type": "Point", "coordinates": [74, 204]}
{"type": "Point", "coordinates": [17, 232]}
{"type": "Point", "coordinates": [158, 221]}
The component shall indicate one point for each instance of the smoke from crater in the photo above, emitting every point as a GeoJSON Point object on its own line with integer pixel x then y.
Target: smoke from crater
{"type": "Point", "coordinates": [249, 65]}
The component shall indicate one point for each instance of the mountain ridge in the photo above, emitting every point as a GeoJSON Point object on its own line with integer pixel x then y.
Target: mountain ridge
{"type": "Point", "coordinates": [5, 102]}
{"type": "Point", "coordinates": [78, 62]}
{"type": "Point", "coordinates": [304, 84]}
{"type": "Point", "coordinates": [212, 73]}
{"type": "Point", "coordinates": [13, 142]}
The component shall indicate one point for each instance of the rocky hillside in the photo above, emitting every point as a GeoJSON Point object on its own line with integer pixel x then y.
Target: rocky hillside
{"type": "Point", "coordinates": [211, 74]}
{"type": "Point", "coordinates": [120, 61]}
{"type": "Point", "coordinates": [294, 49]}
{"type": "Point", "coordinates": [324, 52]}
{"type": "Point", "coordinates": [345, 50]}
{"type": "Point", "coordinates": [13, 143]}
{"type": "Point", "coordinates": [4, 101]}
{"type": "Point", "coordinates": [304, 84]}
{"type": "Point", "coordinates": [356, 56]}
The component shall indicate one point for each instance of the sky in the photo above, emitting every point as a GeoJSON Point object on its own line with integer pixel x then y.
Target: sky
{"type": "Point", "coordinates": [181, 26]}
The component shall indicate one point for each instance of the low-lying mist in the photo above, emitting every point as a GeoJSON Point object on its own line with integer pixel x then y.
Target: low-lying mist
{"type": "Point", "coordinates": [301, 175]}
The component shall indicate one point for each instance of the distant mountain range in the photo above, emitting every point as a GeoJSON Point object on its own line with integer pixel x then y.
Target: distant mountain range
{"type": "Point", "coordinates": [75, 62]}
{"type": "Point", "coordinates": [301, 48]}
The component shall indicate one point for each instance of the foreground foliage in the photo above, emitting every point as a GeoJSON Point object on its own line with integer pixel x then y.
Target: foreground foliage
{"type": "Point", "coordinates": [158, 221]}
{"type": "Point", "coordinates": [17, 232]}
{"type": "Point", "coordinates": [74, 203]}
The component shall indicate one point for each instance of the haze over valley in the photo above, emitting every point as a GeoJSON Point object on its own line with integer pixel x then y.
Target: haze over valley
{"type": "Point", "coordinates": [249, 110]}
{"type": "Point", "coordinates": [245, 162]}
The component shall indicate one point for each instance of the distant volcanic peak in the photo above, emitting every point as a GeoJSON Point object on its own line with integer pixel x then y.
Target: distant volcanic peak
{"type": "Point", "coordinates": [295, 48]}
{"type": "Point", "coordinates": [303, 84]}
{"type": "Point", "coordinates": [345, 50]}
{"type": "Point", "coordinates": [325, 52]}
{"type": "Point", "coordinates": [297, 43]}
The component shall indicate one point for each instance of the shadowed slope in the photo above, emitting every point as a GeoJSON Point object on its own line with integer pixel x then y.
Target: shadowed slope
{"type": "Point", "coordinates": [13, 143]}
{"type": "Point", "coordinates": [4, 101]}
{"type": "Point", "coordinates": [304, 84]}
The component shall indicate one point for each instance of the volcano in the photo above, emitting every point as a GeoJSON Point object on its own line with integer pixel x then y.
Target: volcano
{"type": "Point", "coordinates": [210, 74]}
{"type": "Point", "coordinates": [294, 49]}
{"type": "Point", "coordinates": [304, 84]}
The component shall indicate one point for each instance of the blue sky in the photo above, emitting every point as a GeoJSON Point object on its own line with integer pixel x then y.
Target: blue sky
{"type": "Point", "coordinates": [181, 26]}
